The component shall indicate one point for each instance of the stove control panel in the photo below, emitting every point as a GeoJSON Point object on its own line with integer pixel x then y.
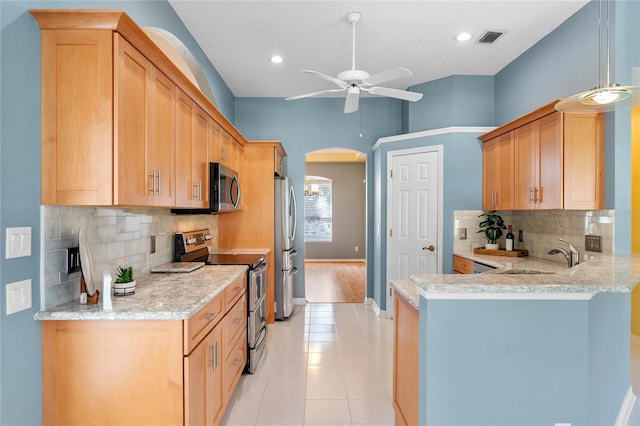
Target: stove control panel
{"type": "Point", "coordinates": [190, 241]}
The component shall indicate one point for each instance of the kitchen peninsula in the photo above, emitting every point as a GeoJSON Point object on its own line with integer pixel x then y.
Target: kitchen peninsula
{"type": "Point", "coordinates": [524, 348]}
{"type": "Point", "coordinates": [172, 353]}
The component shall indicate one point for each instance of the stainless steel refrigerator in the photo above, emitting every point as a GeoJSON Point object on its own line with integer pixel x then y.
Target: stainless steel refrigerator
{"type": "Point", "coordinates": [285, 231]}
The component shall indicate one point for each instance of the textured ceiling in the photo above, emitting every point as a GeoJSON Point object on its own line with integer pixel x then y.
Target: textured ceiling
{"type": "Point", "coordinates": [239, 36]}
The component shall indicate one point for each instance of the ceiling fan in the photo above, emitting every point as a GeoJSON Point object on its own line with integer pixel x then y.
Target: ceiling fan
{"type": "Point", "coordinates": [354, 81]}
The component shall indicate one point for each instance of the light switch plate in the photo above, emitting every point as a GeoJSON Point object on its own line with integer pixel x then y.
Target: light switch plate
{"type": "Point", "coordinates": [18, 296]}
{"type": "Point", "coordinates": [462, 233]}
{"type": "Point", "coordinates": [18, 242]}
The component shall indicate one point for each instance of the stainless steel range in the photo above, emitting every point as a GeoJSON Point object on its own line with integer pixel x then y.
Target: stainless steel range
{"type": "Point", "coordinates": [193, 246]}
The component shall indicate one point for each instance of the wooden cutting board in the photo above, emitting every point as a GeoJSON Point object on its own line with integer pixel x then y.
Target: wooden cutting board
{"type": "Point", "coordinates": [514, 253]}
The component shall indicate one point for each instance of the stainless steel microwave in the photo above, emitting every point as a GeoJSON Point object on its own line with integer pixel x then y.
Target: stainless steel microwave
{"type": "Point", "coordinates": [224, 191]}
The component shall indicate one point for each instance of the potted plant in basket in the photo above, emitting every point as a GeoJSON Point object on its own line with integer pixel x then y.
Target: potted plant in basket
{"type": "Point", "coordinates": [492, 226]}
{"type": "Point", "coordinates": [124, 284]}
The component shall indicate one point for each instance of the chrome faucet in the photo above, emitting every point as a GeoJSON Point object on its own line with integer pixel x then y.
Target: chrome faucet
{"type": "Point", "coordinates": [572, 255]}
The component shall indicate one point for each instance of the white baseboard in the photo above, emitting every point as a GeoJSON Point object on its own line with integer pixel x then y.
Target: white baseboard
{"type": "Point", "coordinates": [625, 410]}
{"type": "Point", "coordinates": [299, 301]}
{"type": "Point", "coordinates": [379, 312]}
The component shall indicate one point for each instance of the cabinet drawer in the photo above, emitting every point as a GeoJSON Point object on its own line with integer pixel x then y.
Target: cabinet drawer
{"type": "Point", "coordinates": [234, 365]}
{"type": "Point", "coordinates": [462, 265]}
{"type": "Point", "coordinates": [197, 327]}
{"type": "Point", "coordinates": [234, 290]}
{"type": "Point", "coordinates": [235, 323]}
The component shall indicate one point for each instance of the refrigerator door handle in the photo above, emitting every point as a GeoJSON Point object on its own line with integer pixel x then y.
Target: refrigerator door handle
{"type": "Point", "coordinates": [293, 211]}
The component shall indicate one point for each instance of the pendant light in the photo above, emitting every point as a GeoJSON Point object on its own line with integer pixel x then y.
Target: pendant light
{"type": "Point", "coordinates": [606, 96]}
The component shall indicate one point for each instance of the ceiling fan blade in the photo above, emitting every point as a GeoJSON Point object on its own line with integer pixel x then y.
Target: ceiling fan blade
{"type": "Point", "coordinates": [308, 95]}
{"type": "Point", "coordinates": [327, 77]}
{"type": "Point", "coordinates": [395, 93]}
{"type": "Point", "coordinates": [383, 77]}
{"type": "Point", "coordinates": [351, 103]}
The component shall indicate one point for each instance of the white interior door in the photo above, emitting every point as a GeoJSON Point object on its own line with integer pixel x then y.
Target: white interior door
{"type": "Point", "coordinates": [414, 215]}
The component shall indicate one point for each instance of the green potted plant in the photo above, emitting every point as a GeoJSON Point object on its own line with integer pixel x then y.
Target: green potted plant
{"type": "Point", "coordinates": [124, 284]}
{"type": "Point", "coordinates": [491, 225]}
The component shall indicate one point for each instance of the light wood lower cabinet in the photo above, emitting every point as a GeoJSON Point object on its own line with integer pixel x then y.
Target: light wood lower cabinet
{"type": "Point", "coordinates": [156, 372]}
{"type": "Point", "coordinates": [405, 362]}
{"type": "Point", "coordinates": [462, 265]}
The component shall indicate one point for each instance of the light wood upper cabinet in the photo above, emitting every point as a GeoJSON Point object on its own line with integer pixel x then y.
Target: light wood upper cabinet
{"type": "Point", "coordinates": [77, 119]}
{"type": "Point", "coordinates": [538, 165]}
{"type": "Point", "coordinates": [192, 158]}
{"type": "Point", "coordinates": [558, 160]}
{"type": "Point", "coordinates": [144, 119]}
{"type": "Point", "coordinates": [121, 124]}
{"type": "Point", "coordinates": [497, 173]}
{"type": "Point", "coordinates": [583, 161]}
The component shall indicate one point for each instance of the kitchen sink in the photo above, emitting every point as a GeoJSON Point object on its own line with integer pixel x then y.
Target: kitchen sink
{"type": "Point", "coordinates": [523, 272]}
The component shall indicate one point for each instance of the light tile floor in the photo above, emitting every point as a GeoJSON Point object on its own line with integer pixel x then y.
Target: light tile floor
{"type": "Point", "coordinates": [329, 364]}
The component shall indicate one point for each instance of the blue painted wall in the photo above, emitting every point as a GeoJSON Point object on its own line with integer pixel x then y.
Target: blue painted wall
{"type": "Point", "coordinates": [307, 125]}
{"type": "Point", "coordinates": [458, 100]}
{"type": "Point", "coordinates": [551, 362]}
{"type": "Point", "coordinates": [20, 351]}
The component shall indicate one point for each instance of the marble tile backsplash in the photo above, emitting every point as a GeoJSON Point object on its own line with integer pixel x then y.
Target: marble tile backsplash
{"type": "Point", "coordinates": [541, 230]}
{"type": "Point", "coordinates": [116, 237]}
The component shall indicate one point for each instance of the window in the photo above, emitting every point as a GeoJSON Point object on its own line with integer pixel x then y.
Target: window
{"type": "Point", "coordinates": [317, 209]}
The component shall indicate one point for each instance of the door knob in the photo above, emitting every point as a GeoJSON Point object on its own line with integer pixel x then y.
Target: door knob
{"type": "Point", "coordinates": [430, 248]}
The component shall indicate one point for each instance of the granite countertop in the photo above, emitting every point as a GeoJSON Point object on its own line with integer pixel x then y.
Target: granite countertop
{"type": "Point", "coordinates": [158, 296]}
{"type": "Point", "coordinates": [602, 274]}
{"type": "Point", "coordinates": [408, 290]}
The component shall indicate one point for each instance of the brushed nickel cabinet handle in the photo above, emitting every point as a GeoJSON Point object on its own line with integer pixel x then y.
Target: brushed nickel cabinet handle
{"type": "Point", "coordinates": [211, 316]}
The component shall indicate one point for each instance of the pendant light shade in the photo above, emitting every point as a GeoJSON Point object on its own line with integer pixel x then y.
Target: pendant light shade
{"type": "Point", "coordinates": [606, 96]}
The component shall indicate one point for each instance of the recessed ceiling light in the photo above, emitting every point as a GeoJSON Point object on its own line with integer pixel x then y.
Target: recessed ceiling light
{"type": "Point", "coordinates": [463, 37]}
{"type": "Point", "coordinates": [276, 59]}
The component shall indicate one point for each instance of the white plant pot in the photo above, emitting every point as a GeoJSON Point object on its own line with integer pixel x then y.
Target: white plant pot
{"type": "Point", "coordinates": [124, 289]}
{"type": "Point", "coordinates": [492, 246]}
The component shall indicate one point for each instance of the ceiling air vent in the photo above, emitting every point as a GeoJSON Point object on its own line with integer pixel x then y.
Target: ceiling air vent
{"type": "Point", "coordinates": [489, 37]}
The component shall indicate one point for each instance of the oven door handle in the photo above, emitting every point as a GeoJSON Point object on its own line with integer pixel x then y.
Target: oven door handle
{"type": "Point", "coordinates": [262, 339]}
{"type": "Point", "coordinates": [259, 269]}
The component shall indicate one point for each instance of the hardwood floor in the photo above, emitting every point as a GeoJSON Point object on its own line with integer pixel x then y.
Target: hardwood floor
{"type": "Point", "coordinates": [340, 282]}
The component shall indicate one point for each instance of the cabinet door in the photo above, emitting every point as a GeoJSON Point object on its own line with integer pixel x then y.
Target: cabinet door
{"type": "Point", "coordinates": [144, 143]}
{"type": "Point", "coordinates": [526, 160]}
{"type": "Point", "coordinates": [77, 117]}
{"type": "Point", "coordinates": [550, 181]}
{"type": "Point", "coordinates": [215, 136]}
{"type": "Point", "coordinates": [203, 381]}
{"type": "Point", "coordinates": [505, 173]}
{"type": "Point", "coordinates": [200, 159]}
{"type": "Point", "coordinates": [224, 147]}
{"type": "Point", "coordinates": [192, 160]}
{"type": "Point", "coordinates": [405, 362]}
{"type": "Point", "coordinates": [490, 170]}
{"type": "Point", "coordinates": [185, 189]}
{"type": "Point", "coordinates": [583, 143]}
{"type": "Point", "coordinates": [161, 144]}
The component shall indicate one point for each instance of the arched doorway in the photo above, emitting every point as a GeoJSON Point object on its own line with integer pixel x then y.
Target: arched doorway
{"type": "Point", "coordinates": [335, 226]}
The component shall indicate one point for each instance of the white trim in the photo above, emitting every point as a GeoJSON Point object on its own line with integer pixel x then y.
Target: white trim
{"type": "Point", "coordinates": [626, 408]}
{"type": "Point", "coordinates": [428, 133]}
{"type": "Point", "coordinates": [335, 261]}
{"type": "Point", "coordinates": [504, 296]}
{"type": "Point", "coordinates": [299, 301]}
{"type": "Point", "coordinates": [438, 149]}
{"type": "Point", "coordinates": [379, 312]}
